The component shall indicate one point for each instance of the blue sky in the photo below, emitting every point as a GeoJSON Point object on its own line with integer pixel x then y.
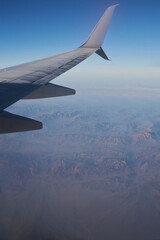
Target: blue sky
{"type": "Point", "coordinates": [32, 29]}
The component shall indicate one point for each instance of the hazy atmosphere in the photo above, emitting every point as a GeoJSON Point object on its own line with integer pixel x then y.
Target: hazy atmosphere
{"type": "Point", "coordinates": [93, 171]}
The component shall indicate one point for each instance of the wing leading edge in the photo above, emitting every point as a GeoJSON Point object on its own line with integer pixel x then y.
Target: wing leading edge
{"type": "Point", "coordinates": [19, 81]}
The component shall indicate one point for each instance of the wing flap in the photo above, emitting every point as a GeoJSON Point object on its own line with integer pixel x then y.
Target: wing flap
{"type": "Point", "coordinates": [50, 90]}
{"type": "Point", "coordinates": [11, 123]}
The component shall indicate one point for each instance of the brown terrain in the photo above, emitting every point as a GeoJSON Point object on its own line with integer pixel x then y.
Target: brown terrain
{"type": "Point", "coordinates": [93, 172]}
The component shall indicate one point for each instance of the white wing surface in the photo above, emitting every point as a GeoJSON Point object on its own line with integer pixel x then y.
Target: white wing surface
{"type": "Point", "coordinates": [23, 80]}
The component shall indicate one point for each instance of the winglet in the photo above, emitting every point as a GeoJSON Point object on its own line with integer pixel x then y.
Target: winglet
{"type": "Point", "coordinates": [102, 54]}
{"type": "Point", "coordinates": [98, 34]}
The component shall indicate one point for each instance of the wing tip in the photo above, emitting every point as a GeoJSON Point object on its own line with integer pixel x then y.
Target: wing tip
{"type": "Point", "coordinates": [97, 36]}
{"type": "Point", "coordinates": [114, 6]}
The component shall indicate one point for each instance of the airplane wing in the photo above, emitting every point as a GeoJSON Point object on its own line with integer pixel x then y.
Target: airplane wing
{"type": "Point", "coordinates": [31, 80]}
